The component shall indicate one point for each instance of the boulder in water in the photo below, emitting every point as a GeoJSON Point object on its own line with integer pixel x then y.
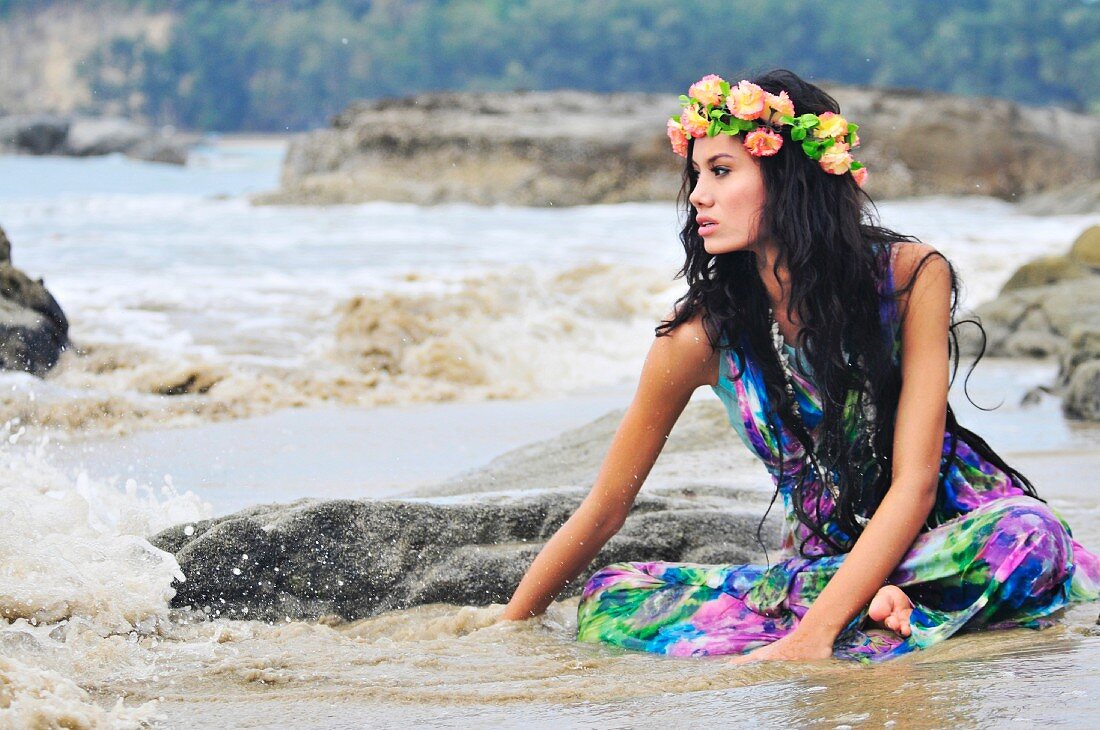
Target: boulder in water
{"type": "Point", "coordinates": [359, 558]}
{"type": "Point", "coordinates": [33, 329]}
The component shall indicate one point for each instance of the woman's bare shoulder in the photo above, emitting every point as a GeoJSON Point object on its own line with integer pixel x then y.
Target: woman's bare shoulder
{"type": "Point", "coordinates": [911, 258]}
{"type": "Point", "coordinates": [688, 349]}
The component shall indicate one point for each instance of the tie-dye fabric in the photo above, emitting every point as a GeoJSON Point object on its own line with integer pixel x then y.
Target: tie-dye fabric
{"type": "Point", "coordinates": [994, 557]}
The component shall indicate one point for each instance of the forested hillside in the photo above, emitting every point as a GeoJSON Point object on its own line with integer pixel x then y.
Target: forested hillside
{"type": "Point", "coordinates": [291, 64]}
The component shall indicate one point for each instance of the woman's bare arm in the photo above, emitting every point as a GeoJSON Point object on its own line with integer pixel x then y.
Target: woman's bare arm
{"type": "Point", "coordinates": [918, 441]}
{"type": "Point", "coordinates": [675, 366]}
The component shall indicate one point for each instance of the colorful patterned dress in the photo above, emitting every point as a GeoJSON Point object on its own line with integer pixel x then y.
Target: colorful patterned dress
{"type": "Point", "coordinates": [995, 558]}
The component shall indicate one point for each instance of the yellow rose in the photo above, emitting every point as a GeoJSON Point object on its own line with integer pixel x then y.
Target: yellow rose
{"type": "Point", "coordinates": [831, 125]}
{"type": "Point", "coordinates": [836, 160]}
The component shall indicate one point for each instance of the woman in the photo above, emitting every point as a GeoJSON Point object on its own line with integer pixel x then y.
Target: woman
{"type": "Point", "coordinates": [829, 339]}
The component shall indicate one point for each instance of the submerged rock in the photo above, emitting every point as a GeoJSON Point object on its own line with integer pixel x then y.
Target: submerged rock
{"type": "Point", "coordinates": [33, 329]}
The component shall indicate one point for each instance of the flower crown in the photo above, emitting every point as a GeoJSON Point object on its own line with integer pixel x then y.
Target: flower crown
{"type": "Point", "coordinates": [713, 106]}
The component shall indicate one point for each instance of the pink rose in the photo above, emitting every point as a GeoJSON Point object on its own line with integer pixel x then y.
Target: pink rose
{"type": "Point", "coordinates": [677, 137]}
{"type": "Point", "coordinates": [762, 142]}
{"type": "Point", "coordinates": [693, 122]}
{"type": "Point", "coordinates": [860, 176]}
{"type": "Point", "coordinates": [781, 106]}
{"type": "Point", "coordinates": [707, 90]}
{"type": "Point", "coordinates": [746, 101]}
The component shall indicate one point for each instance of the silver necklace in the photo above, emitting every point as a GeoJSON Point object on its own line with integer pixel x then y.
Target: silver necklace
{"type": "Point", "coordinates": [823, 474]}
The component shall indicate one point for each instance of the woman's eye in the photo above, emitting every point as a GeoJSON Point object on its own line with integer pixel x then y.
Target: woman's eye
{"type": "Point", "coordinates": [719, 171]}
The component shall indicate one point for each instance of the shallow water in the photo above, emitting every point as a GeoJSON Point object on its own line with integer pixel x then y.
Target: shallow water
{"type": "Point", "coordinates": [174, 283]}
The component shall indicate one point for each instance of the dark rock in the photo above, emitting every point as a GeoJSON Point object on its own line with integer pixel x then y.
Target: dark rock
{"type": "Point", "coordinates": [88, 136]}
{"type": "Point", "coordinates": [33, 134]}
{"type": "Point", "coordinates": [33, 329]}
{"type": "Point", "coordinates": [359, 558]}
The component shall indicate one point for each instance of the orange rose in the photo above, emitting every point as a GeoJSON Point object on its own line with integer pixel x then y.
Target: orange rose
{"type": "Point", "coordinates": [746, 101]}
{"type": "Point", "coordinates": [781, 106]}
{"type": "Point", "coordinates": [707, 90]}
{"type": "Point", "coordinates": [860, 176]}
{"type": "Point", "coordinates": [762, 142]}
{"type": "Point", "coordinates": [693, 122]}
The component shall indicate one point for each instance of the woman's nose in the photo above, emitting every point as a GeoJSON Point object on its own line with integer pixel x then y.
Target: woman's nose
{"type": "Point", "coordinates": [699, 196]}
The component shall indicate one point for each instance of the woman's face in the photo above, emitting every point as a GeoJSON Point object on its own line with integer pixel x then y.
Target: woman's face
{"type": "Point", "coordinates": [728, 194]}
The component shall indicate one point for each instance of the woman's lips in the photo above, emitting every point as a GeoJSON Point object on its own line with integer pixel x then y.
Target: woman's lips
{"type": "Point", "coordinates": [706, 228]}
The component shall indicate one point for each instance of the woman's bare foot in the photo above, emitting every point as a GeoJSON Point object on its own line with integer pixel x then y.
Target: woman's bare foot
{"type": "Point", "coordinates": [890, 609]}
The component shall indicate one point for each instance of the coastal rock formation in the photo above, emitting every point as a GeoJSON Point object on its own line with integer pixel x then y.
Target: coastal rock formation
{"type": "Point", "coordinates": [1042, 303]}
{"type": "Point", "coordinates": [1050, 307]}
{"type": "Point", "coordinates": [359, 558]}
{"type": "Point", "coordinates": [573, 148]}
{"type": "Point", "coordinates": [33, 329]}
{"type": "Point", "coordinates": [85, 136]}
{"type": "Point", "coordinates": [1079, 373]}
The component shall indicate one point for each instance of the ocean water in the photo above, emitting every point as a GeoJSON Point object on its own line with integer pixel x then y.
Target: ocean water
{"type": "Point", "coordinates": [198, 320]}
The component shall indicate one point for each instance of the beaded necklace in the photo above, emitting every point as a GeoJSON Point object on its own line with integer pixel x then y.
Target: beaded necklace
{"type": "Point", "coordinates": [823, 474]}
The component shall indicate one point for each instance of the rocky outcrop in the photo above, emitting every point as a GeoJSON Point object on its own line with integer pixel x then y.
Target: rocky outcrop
{"type": "Point", "coordinates": [1050, 307]}
{"type": "Point", "coordinates": [85, 137]}
{"type": "Point", "coordinates": [359, 558]}
{"type": "Point", "coordinates": [1042, 303]}
{"type": "Point", "coordinates": [1077, 199]}
{"type": "Point", "coordinates": [1079, 373]}
{"type": "Point", "coordinates": [33, 329]}
{"type": "Point", "coordinates": [571, 148]}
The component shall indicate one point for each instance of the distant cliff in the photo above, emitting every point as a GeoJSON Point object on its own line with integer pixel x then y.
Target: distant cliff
{"type": "Point", "coordinates": [44, 51]}
{"type": "Point", "coordinates": [572, 147]}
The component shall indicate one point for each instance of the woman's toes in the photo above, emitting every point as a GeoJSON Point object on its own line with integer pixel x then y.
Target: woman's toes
{"type": "Point", "coordinates": [880, 607]}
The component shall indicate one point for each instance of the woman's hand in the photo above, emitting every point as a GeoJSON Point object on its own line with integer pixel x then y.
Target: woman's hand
{"type": "Point", "coordinates": [793, 647]}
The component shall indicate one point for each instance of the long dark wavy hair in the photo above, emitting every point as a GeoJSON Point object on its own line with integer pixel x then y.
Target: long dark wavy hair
{"type": "Point", "coordinates": [838, 259]}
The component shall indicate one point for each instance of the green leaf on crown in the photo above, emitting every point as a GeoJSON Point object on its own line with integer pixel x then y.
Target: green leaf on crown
{"type": "Point", "coordinates": [798, 134]}
{"type": "Point", "coordinates": [856, 165]}
{"type": "Point", "coordinates": [809, 121]}
{"type": "Point", "coordinates": [725, 87]}
{"type": "Point", "coordinates": [717, 112]}
{"type": "Point", "coordinates": [786, 119]}
{"type": "Point", "coordinates": [713, 128]}
{"type": "Point", "coordinates": [684, 100]}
